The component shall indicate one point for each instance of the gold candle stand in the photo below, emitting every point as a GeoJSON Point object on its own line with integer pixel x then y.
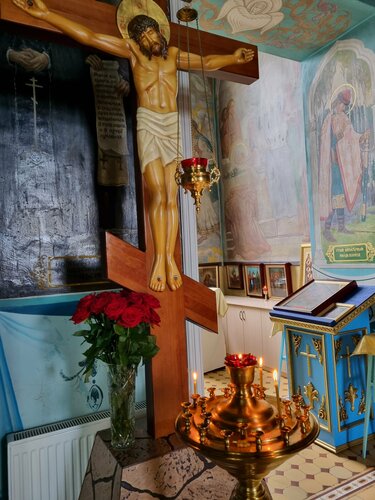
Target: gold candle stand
{"type": "Point", "coordinates": [243, 434]}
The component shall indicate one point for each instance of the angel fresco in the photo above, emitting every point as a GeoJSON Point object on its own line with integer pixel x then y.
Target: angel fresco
{"type": "Point", "coordinates": [248, 15]}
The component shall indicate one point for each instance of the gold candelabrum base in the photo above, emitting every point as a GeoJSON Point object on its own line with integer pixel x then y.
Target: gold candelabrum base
{"type": "Point", "coordinates": [194, 175]}
{"type": "Point", "coordinates": [242, 432]}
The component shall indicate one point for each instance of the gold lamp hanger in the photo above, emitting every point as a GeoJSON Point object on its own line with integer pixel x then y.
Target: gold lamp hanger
{"type": "Point", "coordinates": [195, 174]}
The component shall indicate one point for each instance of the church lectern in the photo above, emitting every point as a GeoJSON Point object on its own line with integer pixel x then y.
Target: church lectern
{"type": "Point", "coordinates": [322, 324]}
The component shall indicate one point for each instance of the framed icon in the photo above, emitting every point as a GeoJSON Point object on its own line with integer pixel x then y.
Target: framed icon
{"type": "Point", "coordinates": [234, 276]}
{"type": "Point", "coordinates": [253, 278]}
{"type": "Point", "coordinates": [209, 275]}
{"type": "Point", "coordinates": [306, 264]}
{"type": "Point", "coordinates": [278, 280]}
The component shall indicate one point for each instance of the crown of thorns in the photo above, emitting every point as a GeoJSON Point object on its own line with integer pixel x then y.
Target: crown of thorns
{"type": "Point", "coordinates": [139, 24]}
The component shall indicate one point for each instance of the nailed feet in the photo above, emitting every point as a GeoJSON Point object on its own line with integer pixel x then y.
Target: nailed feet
{"type": "Point", "coordinates": [174, 279]}
{"type": "Point", "coordinates": [158, 277]}
{"type": "Point", "coordinates": [163, 273]}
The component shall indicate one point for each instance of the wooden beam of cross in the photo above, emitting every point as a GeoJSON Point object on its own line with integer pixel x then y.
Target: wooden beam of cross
{"type": "Point", "coordinates": [102, 19]}
{"type": "Point", "coordinates": [167, 373]}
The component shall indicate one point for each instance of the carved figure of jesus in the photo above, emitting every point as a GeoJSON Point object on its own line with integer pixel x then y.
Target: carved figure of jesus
{"type": "Point", "coordinates": [154, 65]}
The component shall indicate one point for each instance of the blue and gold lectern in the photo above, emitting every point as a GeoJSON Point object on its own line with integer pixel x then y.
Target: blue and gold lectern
{"type": "Point", "coordinates": [322, 323]}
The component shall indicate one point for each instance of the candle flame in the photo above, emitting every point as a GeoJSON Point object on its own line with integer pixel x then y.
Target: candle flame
{"type": "Point", "coordinates": [260, 362]}
{"type": "Point", "coordinates": [240, 356]}
{"type": "Point", "coordinates": [274, 375]}
{"type": "Point", "coordinates": [195, 375]}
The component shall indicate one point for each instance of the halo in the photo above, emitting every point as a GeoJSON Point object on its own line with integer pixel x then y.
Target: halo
{"type": "Point", "coordinates": [128, 9]}
{"type": "Point", "coordinates": [337, 90]}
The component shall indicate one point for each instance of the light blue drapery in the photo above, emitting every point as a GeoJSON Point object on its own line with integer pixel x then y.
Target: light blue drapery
{"type": "Point", "coordinates": [40, 372]}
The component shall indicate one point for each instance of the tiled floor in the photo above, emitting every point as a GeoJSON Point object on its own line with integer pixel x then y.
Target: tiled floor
{"type": "Point", "coordinates": [314, 472]}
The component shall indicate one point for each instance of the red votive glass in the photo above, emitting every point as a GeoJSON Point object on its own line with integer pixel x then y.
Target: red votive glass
{"type": "Point", "coordinates": [240, 360]}
{"type": "Point", "coordinates": [194, 162]}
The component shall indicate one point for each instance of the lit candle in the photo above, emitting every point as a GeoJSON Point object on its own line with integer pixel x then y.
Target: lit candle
{"type": "Point", "coordinates": [277, 392]}
{"type": "Point", "coordinates": [195, 376]}
{"type": "Point", "coordinates": [261, 372]}
{"type": "Point", "coordinates": [240, 356]}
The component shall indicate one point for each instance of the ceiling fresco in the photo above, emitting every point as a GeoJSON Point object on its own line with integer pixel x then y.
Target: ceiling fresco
{"type": "Point", "coordinates": [294, 29]}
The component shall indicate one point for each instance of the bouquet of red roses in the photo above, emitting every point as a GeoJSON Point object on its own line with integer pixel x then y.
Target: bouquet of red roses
{"type": "Point", "coordinates": [119, 327]}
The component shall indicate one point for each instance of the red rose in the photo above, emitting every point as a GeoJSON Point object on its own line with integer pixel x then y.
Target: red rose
{"type": "Point", "coordinates": [87, 300]}
{"type": "Point", "coordinates": [132, 316]}
{"type": "Point", "coordinates": [101, 301]}
{"type": "Point", "coordinates": [153, 318]}
{"type": "Point", "coordinates": [80, 315]}
{"type": "Point", "coordinates": [151, 301]}
{"type": "Point", "coordinates": [116, 307]}
{"type": "Point", "coordinates": [83, 309]}
{"type": "Point", "coordinates": [136, 298]}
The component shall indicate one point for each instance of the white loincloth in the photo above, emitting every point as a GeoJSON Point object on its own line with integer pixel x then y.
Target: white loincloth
{"type": "Point", "coordinates": [157, 137]}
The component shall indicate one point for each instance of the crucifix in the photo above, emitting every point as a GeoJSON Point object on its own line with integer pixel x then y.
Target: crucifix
{"type": "Point", "coordinates": [309, 357]}
{"type": "Point", "coordinates": [181, 297]}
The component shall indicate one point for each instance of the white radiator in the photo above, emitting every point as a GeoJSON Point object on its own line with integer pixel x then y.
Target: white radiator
{"type": "Point", "coordinates": [49, 462]}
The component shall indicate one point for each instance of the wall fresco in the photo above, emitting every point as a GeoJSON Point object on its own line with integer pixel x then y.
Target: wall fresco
{"type": "Point", "coordinates": [205, 145]}
{"type": "Point", "coordinates": [287, 28]}
{"type": "Point", "coordinates": [264, 164]}
{"type": "Point", "coordinates": [341, 136]}
{"type": "Point", "coordinates": [52, 210]}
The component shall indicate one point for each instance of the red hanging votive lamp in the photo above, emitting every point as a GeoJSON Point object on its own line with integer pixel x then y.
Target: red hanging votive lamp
{"type": "Point", "coordinates": [196, 175]}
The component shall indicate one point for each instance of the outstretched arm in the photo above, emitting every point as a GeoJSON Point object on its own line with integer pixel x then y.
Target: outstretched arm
{"type": "Point", "coordinates": [214, 62]}
{"type": "Point", "coordinates": [106, 43]}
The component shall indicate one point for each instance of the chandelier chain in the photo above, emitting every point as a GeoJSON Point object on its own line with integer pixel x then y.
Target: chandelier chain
{"type": "Point", "coordinates": [211, 138]}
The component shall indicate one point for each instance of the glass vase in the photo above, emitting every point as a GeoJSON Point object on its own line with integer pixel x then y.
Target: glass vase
{"type": "Point", "coordinates": [122, 405]}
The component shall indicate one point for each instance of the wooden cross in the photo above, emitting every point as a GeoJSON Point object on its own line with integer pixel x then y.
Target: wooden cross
{"type": "Point", "coordinates": [101, 17]}
{"type": "Point", "coordinates": [167, 384]}
{"type": "Point", "coordinates": [167, 375]}
{"type": "Point", "coordinates": [309, 357]}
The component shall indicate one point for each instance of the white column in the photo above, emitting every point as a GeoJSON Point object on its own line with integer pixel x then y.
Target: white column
{"type": "Point", "coordinates": [189, 238]}
{"type": "Point", "coordinates": [188, 225]}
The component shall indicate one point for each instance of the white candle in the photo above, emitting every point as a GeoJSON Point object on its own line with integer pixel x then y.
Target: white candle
{"type": "Point", "coordinates": [277, 392]}
{"type": "Point", "coordinates": [195, 376]}
{"type": "Point", "coordinates": [261, 372]}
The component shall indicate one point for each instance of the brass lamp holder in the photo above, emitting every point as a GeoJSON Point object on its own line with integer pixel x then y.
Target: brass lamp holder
{"type": "Point", "coordinates": [243, 432]}
{"type": "Point", "coordinates": [195, 174]}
